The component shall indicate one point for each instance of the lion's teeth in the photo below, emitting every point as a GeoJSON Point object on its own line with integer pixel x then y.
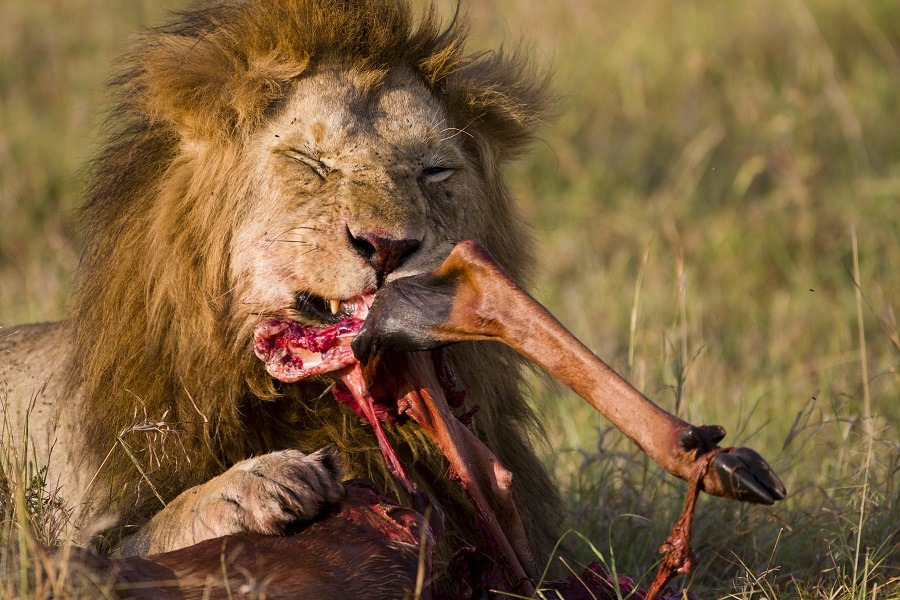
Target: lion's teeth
{"type": "Point", "coordinates": [335, 306]}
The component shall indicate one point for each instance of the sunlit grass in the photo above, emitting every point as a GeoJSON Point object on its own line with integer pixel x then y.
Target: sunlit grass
{"type": "Point", "coordinates": [694, 202]}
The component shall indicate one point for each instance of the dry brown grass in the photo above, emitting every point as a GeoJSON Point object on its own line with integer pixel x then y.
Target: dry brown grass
{"type": "Point", "coordinates": [694, 203]}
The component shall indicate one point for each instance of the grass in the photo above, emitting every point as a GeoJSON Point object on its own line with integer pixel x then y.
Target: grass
{"type": "Point", "coordinates": [718, 209]}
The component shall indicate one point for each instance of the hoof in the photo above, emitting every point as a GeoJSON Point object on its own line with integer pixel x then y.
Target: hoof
{"type": "Point", "coordinates": [743, 475]}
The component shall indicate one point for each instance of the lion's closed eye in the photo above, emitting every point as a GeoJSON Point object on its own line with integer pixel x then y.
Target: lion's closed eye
{"type": "Point", "coordinates": [316, 165]}
{"type": "Point", "coordinates": [437, 174]}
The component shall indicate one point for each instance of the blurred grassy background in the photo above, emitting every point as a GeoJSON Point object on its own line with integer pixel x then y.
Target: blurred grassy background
{"type": "Point", "coordinates": [693, 203]}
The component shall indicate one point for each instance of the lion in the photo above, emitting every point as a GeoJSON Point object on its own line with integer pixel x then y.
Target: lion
{"type": "Point", "coordinates": [278, 158]}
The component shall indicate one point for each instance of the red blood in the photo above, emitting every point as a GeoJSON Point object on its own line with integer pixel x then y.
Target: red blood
{"type": "Point", "coordinates": [455, 396]}
{"type": "Point", "coordinates": [293, 351]}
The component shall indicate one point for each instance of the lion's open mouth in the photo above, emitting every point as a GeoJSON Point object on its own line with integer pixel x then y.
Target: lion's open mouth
{"type": "Point", "coordinates": [293, 351]}
{"type": "Point", "coordinates": [324, 312]}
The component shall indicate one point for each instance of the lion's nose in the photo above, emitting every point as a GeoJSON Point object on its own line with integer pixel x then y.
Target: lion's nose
{"type": "Point", "coordinates": [382, 253]}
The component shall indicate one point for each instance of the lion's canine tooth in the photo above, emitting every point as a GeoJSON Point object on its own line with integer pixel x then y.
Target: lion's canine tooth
{"type": "Point", "coordinates": [335, 305]}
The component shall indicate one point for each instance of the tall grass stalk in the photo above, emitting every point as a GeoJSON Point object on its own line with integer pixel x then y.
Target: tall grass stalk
{"type": "Point", "coordinates": [861, 332]}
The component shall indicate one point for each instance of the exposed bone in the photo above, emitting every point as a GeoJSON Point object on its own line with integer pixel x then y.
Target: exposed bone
{"type": "Point", "coordinates": [353, 378]}
{"type": "Point", "coordinates": [487, 483]}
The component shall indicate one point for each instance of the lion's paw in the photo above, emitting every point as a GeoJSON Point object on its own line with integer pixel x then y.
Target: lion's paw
{"type": "Point", "coordinates": [285, 487]}
{"type": "Point", "coordinates": [267, 493]}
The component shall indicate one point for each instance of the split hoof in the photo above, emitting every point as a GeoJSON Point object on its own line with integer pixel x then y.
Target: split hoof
{"type": "Point", "coordinates": [744, 475]}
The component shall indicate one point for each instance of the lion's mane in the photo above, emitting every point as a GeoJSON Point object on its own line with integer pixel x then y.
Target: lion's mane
{"type": "Point", "coordinates": [163, 350]}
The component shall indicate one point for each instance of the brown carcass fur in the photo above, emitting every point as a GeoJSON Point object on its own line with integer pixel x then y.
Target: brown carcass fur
{"type": "Point", "coordinates": [369, 549]}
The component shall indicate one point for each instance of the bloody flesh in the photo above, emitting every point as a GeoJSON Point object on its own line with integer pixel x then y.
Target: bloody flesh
{"type": "Point", "coordinates": [293, 351]}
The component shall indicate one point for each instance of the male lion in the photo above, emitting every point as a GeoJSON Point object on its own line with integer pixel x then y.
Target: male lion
{"type": "Point", "coordinates": [277, 158]}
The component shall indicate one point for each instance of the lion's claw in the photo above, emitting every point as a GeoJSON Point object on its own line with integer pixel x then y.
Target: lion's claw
{"type": "Point", "coordinates": [744, 475]}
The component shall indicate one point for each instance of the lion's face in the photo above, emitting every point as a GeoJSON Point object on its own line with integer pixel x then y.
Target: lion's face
{"type": "Point", "coordinates": [352, 184]}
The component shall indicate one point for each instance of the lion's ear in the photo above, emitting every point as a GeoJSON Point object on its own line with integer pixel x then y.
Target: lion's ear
{"type": "Point", "coordinates": [503, 99]}
{"type": "Point", "coordinates": [204, 87]}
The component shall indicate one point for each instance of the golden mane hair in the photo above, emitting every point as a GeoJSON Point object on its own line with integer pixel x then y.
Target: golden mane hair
{"type": "Point", "coordinates": [162, 348]}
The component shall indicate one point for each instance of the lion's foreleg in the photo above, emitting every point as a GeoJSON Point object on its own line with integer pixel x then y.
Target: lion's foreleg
{"type": "Point", "coordinates": [264, 494]}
